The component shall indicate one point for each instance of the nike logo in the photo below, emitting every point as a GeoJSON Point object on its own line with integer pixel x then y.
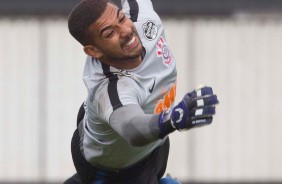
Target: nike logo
{"type": "Point", "coordinates": [152, 88]}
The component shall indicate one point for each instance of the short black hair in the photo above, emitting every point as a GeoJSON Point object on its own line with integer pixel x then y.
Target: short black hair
{"type": "Point", "coordinates": [82, 16]}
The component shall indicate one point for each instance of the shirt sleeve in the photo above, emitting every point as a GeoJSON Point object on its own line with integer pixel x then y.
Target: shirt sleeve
{"type": "Point", "coordinates": [136, 127]}
{"type": "Point", "coordinates": [115, 94]}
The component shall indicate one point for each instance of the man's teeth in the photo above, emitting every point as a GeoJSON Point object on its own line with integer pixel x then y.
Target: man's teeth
{"type": "Point", "coordinates": [131, 41]}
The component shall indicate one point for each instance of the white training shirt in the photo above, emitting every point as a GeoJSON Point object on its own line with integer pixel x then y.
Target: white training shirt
{"type": "Point", "coordinates": [151, 85]}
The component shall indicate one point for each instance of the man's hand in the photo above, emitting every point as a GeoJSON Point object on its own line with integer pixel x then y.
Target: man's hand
{"type": "Point", "coordinates": [196, 109]}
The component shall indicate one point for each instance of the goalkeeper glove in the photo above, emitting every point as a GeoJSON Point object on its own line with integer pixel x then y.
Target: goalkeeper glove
{"type": "Point", "coordinates": [196, 109]}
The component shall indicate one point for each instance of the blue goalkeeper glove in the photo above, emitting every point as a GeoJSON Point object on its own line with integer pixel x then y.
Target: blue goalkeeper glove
{"type": "Point", "coordinates": [196, 109]}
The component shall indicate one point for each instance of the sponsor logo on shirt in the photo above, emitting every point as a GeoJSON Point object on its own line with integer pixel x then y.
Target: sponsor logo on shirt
{"type": "Point", "coordinates": [163, 51]}
{"type": "Point", "coordinates": [167, 101]}
{"type": "Point", "coordinates": [150, 30]}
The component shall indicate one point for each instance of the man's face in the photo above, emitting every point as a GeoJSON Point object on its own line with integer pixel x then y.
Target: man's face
{"type": "Point", "coordinates": [116, 38]}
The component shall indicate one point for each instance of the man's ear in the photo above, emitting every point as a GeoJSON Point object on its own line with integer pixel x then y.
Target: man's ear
{"type": "Point", "coordinates": [92, 51]}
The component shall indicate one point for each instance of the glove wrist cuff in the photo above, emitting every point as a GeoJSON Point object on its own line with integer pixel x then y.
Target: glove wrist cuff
{"type": "Point", "coordinates": [165, 124]}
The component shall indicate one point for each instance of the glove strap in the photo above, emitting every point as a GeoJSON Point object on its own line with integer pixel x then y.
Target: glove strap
{"type": "Point", "coordinates": [165, 124]}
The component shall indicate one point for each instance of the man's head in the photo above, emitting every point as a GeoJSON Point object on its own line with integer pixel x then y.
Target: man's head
{"type": "Point", "coordinates": [82, 16]}
{"type": "Point", "coordinates": [106, 33]}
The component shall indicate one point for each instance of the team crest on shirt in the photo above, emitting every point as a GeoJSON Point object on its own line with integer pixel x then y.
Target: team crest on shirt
{"type": "Point", "coordinates": [150, 30]}
{"type": "Point", "coordinates": [163, 51]}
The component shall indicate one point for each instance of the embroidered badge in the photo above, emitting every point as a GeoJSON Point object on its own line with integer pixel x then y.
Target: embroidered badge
{"type": "Point", "coordinates": [150, 30]}
{"type": "Point", "coordinates": [163, 51]}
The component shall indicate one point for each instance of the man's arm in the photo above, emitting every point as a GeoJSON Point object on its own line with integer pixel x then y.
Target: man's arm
{"type": "Point", "coordinates": [137, 128]}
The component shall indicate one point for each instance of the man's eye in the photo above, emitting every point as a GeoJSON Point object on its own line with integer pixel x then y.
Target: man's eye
{"type": "Point", "coordinates": [122, 18]}
{"type": "Point", "coordinates": [109, 34]}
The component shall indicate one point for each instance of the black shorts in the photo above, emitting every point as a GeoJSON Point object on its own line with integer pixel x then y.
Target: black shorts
{"type": "Point", "coordinates": [148, 171]}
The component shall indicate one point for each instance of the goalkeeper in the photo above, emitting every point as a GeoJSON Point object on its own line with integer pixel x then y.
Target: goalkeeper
{"type": "Point", "coordinates": [130, 76]}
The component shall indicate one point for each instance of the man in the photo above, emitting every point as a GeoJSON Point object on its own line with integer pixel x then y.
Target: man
{"type": "Point", "coordinates": [130, 76]}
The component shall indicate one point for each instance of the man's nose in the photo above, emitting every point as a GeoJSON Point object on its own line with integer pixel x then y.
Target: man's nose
{"type": "Point", "coordinates": [125, 31]}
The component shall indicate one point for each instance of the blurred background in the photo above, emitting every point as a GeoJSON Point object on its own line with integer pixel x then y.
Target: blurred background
{"type": "Point", "coordinates": [235, 46]}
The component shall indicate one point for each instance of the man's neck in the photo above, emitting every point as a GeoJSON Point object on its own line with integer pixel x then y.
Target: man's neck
{"type": "Point", "coordinates": [124, 64]}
